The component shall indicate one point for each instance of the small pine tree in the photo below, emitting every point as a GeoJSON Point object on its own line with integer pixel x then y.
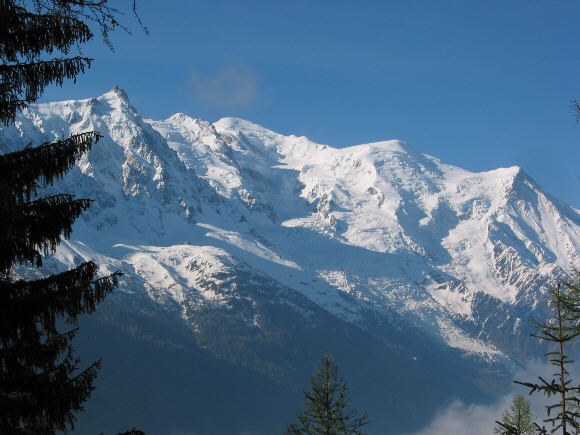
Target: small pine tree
{"type": "Point", "coordinates": [560, 330]}
{"type": "Point", "coordinates": [326, 406]}
{"type": "Point", "coordinates": [517, 419]}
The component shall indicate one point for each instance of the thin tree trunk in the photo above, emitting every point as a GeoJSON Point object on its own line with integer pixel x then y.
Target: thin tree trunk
{"type": "Point", "coordinates": [562, 383]}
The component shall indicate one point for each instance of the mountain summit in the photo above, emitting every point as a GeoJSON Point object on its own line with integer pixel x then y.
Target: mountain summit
{"type": "Point", "coordinates": [264, 251]}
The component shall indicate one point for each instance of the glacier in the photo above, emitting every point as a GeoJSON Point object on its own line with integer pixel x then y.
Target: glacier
{"type": "Point", "coordinates": [228, 229]}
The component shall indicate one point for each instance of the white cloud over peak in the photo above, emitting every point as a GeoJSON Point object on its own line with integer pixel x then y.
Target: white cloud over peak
{"type": "Point", "coordinates": [235, 85]}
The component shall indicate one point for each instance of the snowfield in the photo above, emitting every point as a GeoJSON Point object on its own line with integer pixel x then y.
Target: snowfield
{"type": "Point", "coordinates": [182, 204]}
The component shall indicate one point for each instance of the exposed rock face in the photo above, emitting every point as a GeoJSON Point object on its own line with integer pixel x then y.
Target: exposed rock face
{"type": "Point", "coordinates": [252, 241]}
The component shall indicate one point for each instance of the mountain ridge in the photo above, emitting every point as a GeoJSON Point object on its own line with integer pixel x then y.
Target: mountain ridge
{"type": "Point", "coordinates": [227, 223]}
{"type": "Point", "coordinates": [382, 196]}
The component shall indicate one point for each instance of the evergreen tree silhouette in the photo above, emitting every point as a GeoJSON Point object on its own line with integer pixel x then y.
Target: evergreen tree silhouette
{"type": "Point", "coordinates": [327, 406]}
{"type": "Point", "coordinates": [41, 384]}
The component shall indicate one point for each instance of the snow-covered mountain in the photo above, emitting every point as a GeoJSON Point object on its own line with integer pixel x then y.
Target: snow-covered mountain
{"type": "Point", "coordinates": [268, 249]}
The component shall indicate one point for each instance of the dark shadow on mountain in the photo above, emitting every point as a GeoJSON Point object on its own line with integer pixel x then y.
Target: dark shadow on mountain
{"type": "Point", "coordinates": [442, 220]}
{"type": "Point", "coordinates": [158, 376]}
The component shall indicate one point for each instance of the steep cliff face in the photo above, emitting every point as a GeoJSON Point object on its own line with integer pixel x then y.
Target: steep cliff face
{"type": "Point", "coordinates": [264, 247]}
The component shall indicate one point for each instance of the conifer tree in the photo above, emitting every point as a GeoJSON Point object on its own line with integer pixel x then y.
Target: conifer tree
{"type": "Point", "coordinates": [517, 419]}
{"type": "Point", "coordinates": [31, 31]}
{"type": "Point", "coordinates": [41, 386]}
{"type": "Point", "coordinates": [326, 406]}
{"type": "Point", "coordinates": [560, 330]}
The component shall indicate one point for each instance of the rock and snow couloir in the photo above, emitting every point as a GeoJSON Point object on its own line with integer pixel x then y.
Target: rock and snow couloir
{"type": "Point", "coordinates": [379, 230]}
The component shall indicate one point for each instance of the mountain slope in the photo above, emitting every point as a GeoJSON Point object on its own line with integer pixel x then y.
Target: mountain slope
{"type": "Point", "coordinates": [266, 250]}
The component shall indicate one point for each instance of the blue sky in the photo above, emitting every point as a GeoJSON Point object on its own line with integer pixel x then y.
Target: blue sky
{"type": "Point", "coordinates": [478, 84]}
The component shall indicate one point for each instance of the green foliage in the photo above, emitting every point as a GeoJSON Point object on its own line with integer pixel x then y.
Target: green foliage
{"type": "Point", "coordinates": [34, 30]}
{"type": "Point", "coordinates": [559, 331]}
{"type": "Point", "coordinates": [33, 227]}
{"type": "Point", "coordinates": [326, 406]}
{"type": "Point", "coordinates": [41, 386]}
{"type": "Point", "coordinates": [517, 419]}
{"type": "Point", "coordinates": [26, 36]}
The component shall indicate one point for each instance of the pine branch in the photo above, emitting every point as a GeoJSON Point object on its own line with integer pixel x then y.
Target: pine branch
{"type": "Point", "coordinates": [23, 83]}
{"type": "Point", "coordinates": [28, 35]}
{"type": "Point", "coordinates": [23, 172]}
{"type": "Point", "coordinates": [98, 12]}
{"type": "Point", "coordinates": [25, 406]}
{"type": "Point", "coordinates": [36, 229]}
{"type": "Point", "coordinates": [40, 384]}
{"type": "Point", "coordinates": [24, 356]}
{"type": "Point", "coordinates": [67, 294]}
{"type": "Point", "coordinates": [509, 428]}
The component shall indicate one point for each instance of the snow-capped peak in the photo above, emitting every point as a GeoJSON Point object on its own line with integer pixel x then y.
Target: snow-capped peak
{"type": "Point", "coordinates": [377, 227]}
{"type": "Point", "coordinates": [240, 125]}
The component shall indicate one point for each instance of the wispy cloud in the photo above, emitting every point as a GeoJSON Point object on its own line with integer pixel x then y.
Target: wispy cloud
{"type": "Point", "coordinates": [477, 419]}
{"type": "Point", "coordinates": [235, 85]}
{"type": "Point", "coordinates": [460, 418]}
